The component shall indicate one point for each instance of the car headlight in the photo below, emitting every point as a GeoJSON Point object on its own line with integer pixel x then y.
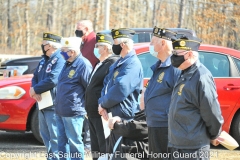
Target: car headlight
{"type": "Point", "coordinates": [11, 92]}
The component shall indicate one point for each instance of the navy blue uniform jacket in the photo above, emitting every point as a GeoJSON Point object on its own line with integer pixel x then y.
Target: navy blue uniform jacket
{"type": "Point", "coordinates": [71, 87]}
{"type": "Point", "coordinates": [45, 76]}
{"type": "Point", "coordinates": [122, 87]}
{"type": "Point", "coordinates": [157, 96]}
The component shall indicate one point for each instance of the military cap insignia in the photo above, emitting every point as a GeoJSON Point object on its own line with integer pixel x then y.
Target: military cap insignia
{"type": "Point", "coordinates": [182, 43]}
{"type": "Point", "coordinates": [160, 77]}
{"type": "Point", "coordinates": [155, 30]}
{"type": "Point", "coordinates": [45, 35]}
{"type": "Point", "coordinates": [116, 33]}
{"type": "Point", "coordinates": [180, 89]}
{"type": "Point", "coordinates": [66, 42]}
{"type": "Point", "coordinates": [101, 37]}
{"type": "Point", "coordinates": [115, 74]}
{"type": "Point", "coordinates": [71, 73]}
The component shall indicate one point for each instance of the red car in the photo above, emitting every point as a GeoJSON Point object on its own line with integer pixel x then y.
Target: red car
{"type": "Point", "coordinates": [20, 114]}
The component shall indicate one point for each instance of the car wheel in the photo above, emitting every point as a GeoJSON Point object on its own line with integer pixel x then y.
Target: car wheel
{"type": "Point", "coordinates": [235, 128]}
{"type": "Point", "coordinates": [35, 126]}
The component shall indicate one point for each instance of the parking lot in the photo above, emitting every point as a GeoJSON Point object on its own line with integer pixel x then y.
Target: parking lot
{"type": "Point", "coordinates": [23, 146]}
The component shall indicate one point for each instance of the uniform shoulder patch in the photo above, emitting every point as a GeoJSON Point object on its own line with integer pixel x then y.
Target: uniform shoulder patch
{"type": "Point", "coordinates": [160, 77]}
{"type": "Point", "coordinates": [180, 89]}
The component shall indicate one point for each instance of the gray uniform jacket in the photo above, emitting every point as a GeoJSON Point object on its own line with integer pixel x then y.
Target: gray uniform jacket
{"type": "Point", "coordinates": [194, 116]}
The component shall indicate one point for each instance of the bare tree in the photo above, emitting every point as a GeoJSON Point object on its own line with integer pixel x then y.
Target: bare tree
{"type": "Point", "coordinates": [181, 14]}
{"type": "Point", "coordinates": [9, 25]}
{"type": "Point", "coordinates": [27, 48]}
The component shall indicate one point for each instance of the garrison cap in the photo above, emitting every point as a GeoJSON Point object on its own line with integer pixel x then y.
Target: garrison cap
{"type": "Point", "coordinates": [52, 37]}
{"type": "Point", "coordinates": [104, 38]}
{"type": "Point", "coordinates": [164, 33]}
{"type": "Point", "coordinates": [122, 33]}
{"type": "Point", "coordinates": [186, 43]}
{"type": "Point", "coordinates": [71, 42]}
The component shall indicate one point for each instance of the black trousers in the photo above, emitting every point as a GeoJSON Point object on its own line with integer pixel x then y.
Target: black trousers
{"type": "Point", "coordinates": [190, 154]}
{"type": "Point", "coordinates": [158, 142]}
{"type": "Point", "coordinates": [98, 142]}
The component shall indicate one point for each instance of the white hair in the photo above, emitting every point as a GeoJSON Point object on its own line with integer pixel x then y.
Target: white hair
{"type": "Point", "coordinates": [54, 44]}
{"type": "Point", "coordinates": [195, 53]}
{"type": "Point", "coordinates": [109, 47]}
{"type": "Point", "coordinates": [129, 42]}
{"type": "Point", "coordinates": [86, 23]}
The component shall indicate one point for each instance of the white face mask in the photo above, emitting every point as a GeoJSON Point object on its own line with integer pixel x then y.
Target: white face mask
{"type": "Point", "coordinates": [96, 53]}
{"type": "Point", "coordinates": [152, 51]}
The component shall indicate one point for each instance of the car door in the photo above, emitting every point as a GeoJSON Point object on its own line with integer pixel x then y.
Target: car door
{"type": "Point", "coordinates": [223, 69]}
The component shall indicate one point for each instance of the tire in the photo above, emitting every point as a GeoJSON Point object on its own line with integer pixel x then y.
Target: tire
{"type": "Point", "coordinates": [235, 128]}
{"type": "Point", "coordinates": [35, 126]}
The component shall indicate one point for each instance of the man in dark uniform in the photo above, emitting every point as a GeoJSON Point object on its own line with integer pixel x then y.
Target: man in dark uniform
{"type": "Point", "coordinates": [158, 93]}
{"type": "Point", "coordinates": [103, 51]}
{"type": "Point", "coordinates": [195, 117]}
{"type": "Point", "coordinates": [44, 79]}
{"type": "Point", "coordinates": [84, 30]}
{"type": "Point", "coordinates": [70, 107]}
{"type": "Point", "coordinates": [134, 142]}
{"type": "Point", "coordinates": [123, 84]}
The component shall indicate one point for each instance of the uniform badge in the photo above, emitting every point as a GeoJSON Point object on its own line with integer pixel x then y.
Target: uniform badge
{"type": "Point", "coordinates": [49, 68]}
{"type": "Point", "coordinates": [54, 60]}
{"type": "Point", "coordinates": [180, 89]}
{"type": "Point", "coordinates": [66, 42]}
{"type": "Point", "coordinates": [160, 77]}
{"type": "Point", "coordinates": [116, 33]}
{"type": "Point", "coordinates": [101, 37]}
{"type": "Point", "coordinates": [115, 74]}
{"type": "Point", "coordinates": [71, 73]}
{"type": "Point", "coordinates": [39, 68]}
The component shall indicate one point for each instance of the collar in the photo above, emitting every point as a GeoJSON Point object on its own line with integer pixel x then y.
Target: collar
{"type": "Point", "coordinates": [74, 62]}
{"type": "Point", "coordinates": [122, 60]}
{"type": "Point", "coordinates": [188, 73]}
{"type": "Point", "coordinates": [89, 37]}
{"type": "Point", "coordinates": [159, 64]}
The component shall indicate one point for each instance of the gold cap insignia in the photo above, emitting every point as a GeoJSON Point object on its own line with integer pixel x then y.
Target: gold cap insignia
{"type": "Point", "coordinates": [116, 33]}
{"type": "Point", "coordinates": [45, 35]}
{"type": "Point", "coordinates": [101, 37]}
{"type": "Point", "coordinates": [182, 43]}
{"type": "Point", "coordinates": [155, 30]}
{"type": "Point", "coordinates": [66, 42]}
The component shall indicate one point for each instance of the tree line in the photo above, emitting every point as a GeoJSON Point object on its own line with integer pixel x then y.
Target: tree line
{"type": "Point", "coordinates": [23, 21]}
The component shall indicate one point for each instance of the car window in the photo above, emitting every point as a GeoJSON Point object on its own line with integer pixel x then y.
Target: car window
{"type": "Point", "coordinates": [147, 61]}
{"type": "Point", "coordinates": [217, 64]}
{"type": "Point", "coordinates": [142, 37]}
{"type": "Point", "coordinates": [237, 61]}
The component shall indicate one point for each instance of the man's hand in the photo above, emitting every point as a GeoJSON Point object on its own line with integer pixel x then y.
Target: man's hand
{"type": "Point", "coordinates": [103, 112]}
{"type": "Point", "coordinates": [37, 97]}
{"type": "Point", "coordinates": [216, 142]}
{"type": "Point", "coordinates": [31, 92]}
{"type": "Point", "coordinates": [112, 120]}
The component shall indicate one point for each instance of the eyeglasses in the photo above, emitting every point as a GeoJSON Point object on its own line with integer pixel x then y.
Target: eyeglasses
{"type": "Point", "coordinates": [66, 51]}
{"type": "Point", "coordinates": [176, 53]}
{"type": "Point", "coordinates": [97, 45]}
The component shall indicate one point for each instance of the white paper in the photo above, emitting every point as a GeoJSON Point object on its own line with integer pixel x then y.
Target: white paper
{"type": "Point", "coordinates": [46, 100]}
{"type": "Point", "coordinates": [227, 141]}
{"type": "Point", "coordinates": [106, 129]}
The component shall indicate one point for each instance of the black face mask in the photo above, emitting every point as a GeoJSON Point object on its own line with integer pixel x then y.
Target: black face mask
{"type": "Point", "coordinates": [177, 60]}
{"type": "Point", "coordinates": [44, 52]}
{"type": "Point", "coordinates": [116, 49]}
{"type": "Point", "coordinates": [79, 33]}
